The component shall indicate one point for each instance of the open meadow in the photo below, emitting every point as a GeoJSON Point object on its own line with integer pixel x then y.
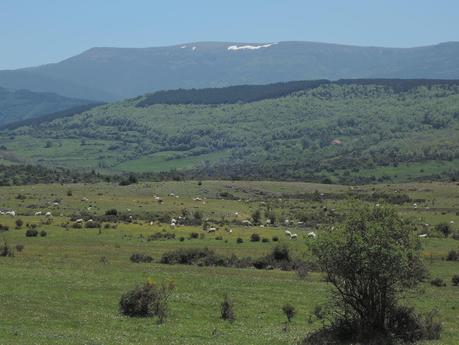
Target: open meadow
{"type": "Point", "coordinates": [64, 286]}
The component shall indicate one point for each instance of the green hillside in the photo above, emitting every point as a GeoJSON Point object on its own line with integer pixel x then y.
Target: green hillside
{"type": "Point", "coordinates": [347, 132]}
{"type": "Point", "coordinates": [20, 105]}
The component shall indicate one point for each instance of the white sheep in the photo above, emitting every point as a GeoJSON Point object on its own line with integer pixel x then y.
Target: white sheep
{"type": "Point", "coordinates": [312, 234]}
{"type": "Point", "coordinates": [38, 213]}
{"type": "Point", "coordinates": [288, 233]}
{"type": "Point", "coordinates": [48, 214]}
{"type": "Point", "coordinates": [211, 230]}
{"type": "Point", "coordinates": [294, 236]}
{"type": "Point", "coordinates": [423, 236]}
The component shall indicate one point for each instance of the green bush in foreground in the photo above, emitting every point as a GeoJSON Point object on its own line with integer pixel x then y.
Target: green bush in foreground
{"type": "Point", "coordinates": [370, 260]}
{"type": "Point", "coordinates": [148, 300]}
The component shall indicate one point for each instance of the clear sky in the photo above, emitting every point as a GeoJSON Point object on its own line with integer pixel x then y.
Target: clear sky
{"type": "Point", "coordinates": [34, 32]}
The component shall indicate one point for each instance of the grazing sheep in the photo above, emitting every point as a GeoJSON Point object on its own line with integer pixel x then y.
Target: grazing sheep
{"type": "Point", "coordinates": [294, 236]}
{"type": "Point", "coordinates": [38, 213]}
{"type": "Point", "coordinates": [288, 233]}
{"type": "Point", "coordinates": [423, 236]}
{"type": "Point", "coordinates": [173, 225]}
{"type": "Point", "coordinates": [11, 213]}
{"type": "Point", "coordinates": [312, 234]}
{"type": "Point", "coordinates": [48, 214]}
{"type": "Point", "coordinates": [79, 220]}
{"type": "Point", "coordinates": [211, 230]}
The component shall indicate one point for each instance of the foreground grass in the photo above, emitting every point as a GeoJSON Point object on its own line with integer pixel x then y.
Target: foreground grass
{"type": "Point", "coordinates": [57, 290]}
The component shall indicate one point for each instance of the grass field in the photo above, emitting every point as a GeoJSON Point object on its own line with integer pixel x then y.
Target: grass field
{"type": "Point", "coordinates": [58, 291]}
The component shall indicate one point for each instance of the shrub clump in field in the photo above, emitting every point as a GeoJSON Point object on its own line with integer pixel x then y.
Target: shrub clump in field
{"type": "Point", "coordinates": [239, 240]}
{"type": "Point", "coordinates": [444, 229]}
{"type": "Point", "coordinates": [19, 247]}
{"type": "Point", "coordinates": [455, 280]}
{"type": "Point", "coordinates": [43, 233]}
{"type": "Point", "coordinates": [437, 282]}
{"type": "Point", "coordinates": [255, 238]}
{"type": "Point", "coordinates": [148, 300]}
{"type": "Point", "coordinates": [19, 223]}
{"type": "Point", "coordinates": [140, 258]}
{"type": "Point", "coordinates": [5, 250]}
{"type": "Point", "coordinates": [227, 309]}
{"type": "Point", "coordinates": [453, 255]}
{"type": "Point", "coordinates": [31, 233]}
{"type": "Point", "coordinates": [289, 311]}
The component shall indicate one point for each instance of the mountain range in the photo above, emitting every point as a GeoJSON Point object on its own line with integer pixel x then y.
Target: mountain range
{"type": "Point", "coordinates": [108, 74]}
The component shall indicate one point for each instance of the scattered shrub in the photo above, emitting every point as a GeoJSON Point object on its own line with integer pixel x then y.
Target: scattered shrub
{"type": "Point", "coordinates": [181, 239]}
{"type": "Point", "coordinates": [275, 238]}
{"type": "Point", "coordinates": [19, 247]}
{"type": "Point", "coordinates": [5, 250]}
{"type": "Point", "coordinates": [111, 212]}
{"type": "Point", "coordinates": [289, 311]}
{"type": "Point", "coordinates": [140, 258]}
{"type": "Point", "coordinates": [265, 240]}
{"type": "Point", "coordinates": [4, 227]}
{"type": "Point", "coordinates": [19, 223]}
{"type": "Point", "coordinates": [239, 240]}
{"type": "Point", "coordinates": [437, 282]}
{"type": "Point", "coordinates": [43, 233]}
{"type": "Point", "coordinates": [227, 309]}
{"type": "Point", "coordinates": [194, 235]}
{"type": "Point", "coordinates": [31, 233]}
{"type": "Point", "coordinates": [147, 301]}
{"type": "Point", "coordinates": [444, 229]}
{"type": "Point", "coordinates": [255, 238]}
{"type": "Point", "coordinates": [69, 192]}
{"type": "Point", "coordinates": [455, 280]}
{"type": "Point", "coordinates": [453, 255]}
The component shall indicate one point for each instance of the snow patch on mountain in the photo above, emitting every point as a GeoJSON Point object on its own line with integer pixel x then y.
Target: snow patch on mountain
{"type": "Point", "coordinates": [249, 47]}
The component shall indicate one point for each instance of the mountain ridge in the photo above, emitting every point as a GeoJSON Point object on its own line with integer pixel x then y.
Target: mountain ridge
{"type": "Point", "coordinates": [114, 73]}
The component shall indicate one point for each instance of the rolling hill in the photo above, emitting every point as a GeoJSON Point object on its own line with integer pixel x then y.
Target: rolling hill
{"type": "Point", "coordinates": [20, 105]}
{"type": "Point", "coordinates": [349, 131]}
{"type": "Point", "coordinates": [117, 73]}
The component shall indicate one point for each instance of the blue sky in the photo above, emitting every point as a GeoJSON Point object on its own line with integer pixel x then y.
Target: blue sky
{"type": "Point", "coordinates": [34, 32]}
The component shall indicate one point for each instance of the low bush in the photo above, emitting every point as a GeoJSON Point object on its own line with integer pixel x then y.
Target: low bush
{"type": "Point", "coordinates": [5, 250]}
{"type": "Point", "coordinates": [275, 238]}
{"type": "Point", "coordinates": [31, 233]}
{"type": "Point", "coordinates": [227, 309]}
{"type": "Point", "coordinates": [437, 282]}
{"type": "Point", "coordinates": [194, 235]}
{"type": "Point", "coordinates": [289, 311]}
{"type": "Point", "coordinates": [265, 240]}
{"type": "Point", "coordinates": [43, 233]}
{"type": "Point", "coordinates": [255, 238]}
{"type": "Point", "coordinates": [148, 300]}
{"type": "Point", "coordinates": [455, 280]}
{"type": "Point", "coordinates": [4, 228]}
{"type": "Point", "coordinates": [140, 258]}
{"type": "Point", "coordinates": [161, 236]}
{"type": "Point", "coordinates": [453, 255]}
{"type": "Point", "coordinates": [19, 247]}
{"type": "Point", "coordinates": [19, 223]}
{"type": "Point", "coordinates": [239, 240]}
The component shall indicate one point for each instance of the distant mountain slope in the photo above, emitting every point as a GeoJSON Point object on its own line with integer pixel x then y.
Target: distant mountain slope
{"type": "Point", "coordinates": [108, 73]}
{"type": "Point", "coordinates": [348, 131]}
{"type": "Point", "coordinates": [20, 105]}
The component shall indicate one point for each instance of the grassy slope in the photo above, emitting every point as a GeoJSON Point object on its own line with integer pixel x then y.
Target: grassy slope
{"type": "Point", "coordinates": [57, 292]}
{"type": "Point", "coordinates": [374, 124]}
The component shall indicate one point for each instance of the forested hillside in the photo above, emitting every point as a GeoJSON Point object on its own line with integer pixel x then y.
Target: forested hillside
{"type": "Point", "coordinates": [19, 105]}
{"type": "Point", "coordinates": [347, 131]}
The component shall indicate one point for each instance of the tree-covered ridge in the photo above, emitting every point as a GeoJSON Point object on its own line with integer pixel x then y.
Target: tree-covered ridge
{"type": "Point", "coordinates": [346, 132]}
{"type": "Point", "coordinates": [253, 93]}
